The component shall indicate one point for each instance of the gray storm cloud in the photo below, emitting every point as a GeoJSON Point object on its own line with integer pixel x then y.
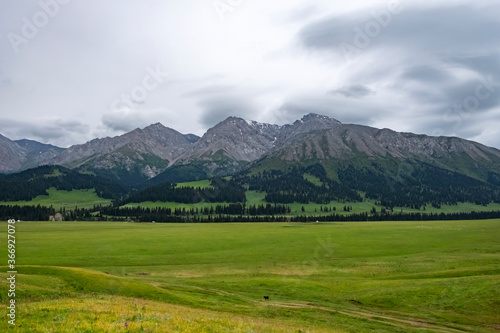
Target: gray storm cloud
{"type": "Point", "coordinates": [431, 68]}
{"type": "Point", "coordinates": [435, 60]}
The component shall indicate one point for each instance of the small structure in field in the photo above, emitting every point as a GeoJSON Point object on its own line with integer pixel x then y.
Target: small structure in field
{"type": "Point", "coordinates": [57, 217]}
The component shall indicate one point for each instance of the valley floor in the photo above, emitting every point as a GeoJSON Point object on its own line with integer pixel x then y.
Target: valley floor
{"type": "Point", "coordinates": [318, 277]}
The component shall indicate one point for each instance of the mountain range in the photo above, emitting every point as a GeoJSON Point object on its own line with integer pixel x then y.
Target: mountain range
{"type": "Point", "coordinates": [158, 154]}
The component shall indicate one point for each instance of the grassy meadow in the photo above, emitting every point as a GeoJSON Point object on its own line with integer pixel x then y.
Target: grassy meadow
{"type": "Point", "coordinates": [199, 183]}
{"type": "Point", "coordinates": [319, 277]}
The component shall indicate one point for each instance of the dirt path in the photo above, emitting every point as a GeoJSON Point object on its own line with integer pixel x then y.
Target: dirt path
{"type": "Point", "coordinates": [400, 321]}
{"type": "Point", "coordinates": [376, 317]}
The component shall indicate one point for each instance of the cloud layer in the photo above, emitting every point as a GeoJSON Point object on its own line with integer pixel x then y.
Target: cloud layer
{"type": "Point", "coordinates": [70, 72]}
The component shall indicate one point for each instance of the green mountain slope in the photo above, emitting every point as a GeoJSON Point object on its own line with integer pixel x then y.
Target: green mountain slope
{"type": "Point", "coordinates": [31, 183]}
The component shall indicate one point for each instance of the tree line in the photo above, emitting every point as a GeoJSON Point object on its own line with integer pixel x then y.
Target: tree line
{"type": "Point", "coordinates": [158, 213]}
{"type": "Point", "coordinates": [221, 214]}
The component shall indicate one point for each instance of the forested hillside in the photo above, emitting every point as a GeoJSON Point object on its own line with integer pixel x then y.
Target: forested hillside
{"type": "Point", "coordinates": [31, 183]}
{"type": "Point", "coordinates": [220, 191]}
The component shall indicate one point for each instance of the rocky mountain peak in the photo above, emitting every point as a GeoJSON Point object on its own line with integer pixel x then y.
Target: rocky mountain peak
{"type": "Point", "coordinates": [317, 117]}
{"type": "Point", "coordinates": [232, 144]}
{"type": "Point", "coordinates": [309, 123]}
{"type": "Point", "coordinates": [164, 134]}
{"type": "Point", "coordinates": [237, 128]}
{"type": "Point", "coordinates": [228, 122]}
{"type": "Point", "coordinates": [313, 121]}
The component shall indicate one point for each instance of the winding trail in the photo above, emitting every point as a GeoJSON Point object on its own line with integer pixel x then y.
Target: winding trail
{"type": "Point", "coordinates": [401, 321]}
{"type": "Point", "coordinates": [380, 318]}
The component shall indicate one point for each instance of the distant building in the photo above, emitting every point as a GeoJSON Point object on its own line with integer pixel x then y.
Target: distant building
{"type": "Point", "coordinates": [57, 217]}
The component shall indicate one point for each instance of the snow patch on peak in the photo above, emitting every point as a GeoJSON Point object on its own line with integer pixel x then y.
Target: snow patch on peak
{"type": "Point", "coordinates": [254, 123]}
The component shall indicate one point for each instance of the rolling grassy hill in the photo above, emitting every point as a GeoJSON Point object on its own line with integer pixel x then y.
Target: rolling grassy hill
{"type": "Point", "coordinates": [320, 277]}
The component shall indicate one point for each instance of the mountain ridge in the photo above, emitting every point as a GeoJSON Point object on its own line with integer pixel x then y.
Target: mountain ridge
{"type": "Point", "coordinates": [235, 145]}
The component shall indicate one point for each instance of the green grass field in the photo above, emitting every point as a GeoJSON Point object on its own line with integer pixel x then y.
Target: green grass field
{"type": "Point", "coordinates": [200, 183]}
{"type": "Point", "coordinates": [320, 277]}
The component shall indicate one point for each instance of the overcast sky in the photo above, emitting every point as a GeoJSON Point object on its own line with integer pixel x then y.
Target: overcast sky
{"type": "Point", "coordinates": [74, 70]}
